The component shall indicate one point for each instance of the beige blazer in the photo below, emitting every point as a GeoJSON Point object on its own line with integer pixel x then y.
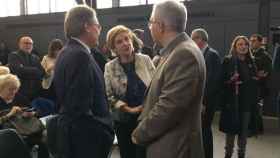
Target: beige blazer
{"type": "Point", "coordinates": [170, 124]}
{"type": "Point", "coordinates": [116, 79]}
{"type": "Point", "coordinates": [48, 65]}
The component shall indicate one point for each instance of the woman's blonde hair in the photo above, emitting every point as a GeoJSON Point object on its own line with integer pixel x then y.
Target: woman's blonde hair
{"type": "Point", "coordinates": [4, 70]}
{"type": "Point", "coordinates": [8, 80]}
{"type": "Point", "coordinates": [113, 32]}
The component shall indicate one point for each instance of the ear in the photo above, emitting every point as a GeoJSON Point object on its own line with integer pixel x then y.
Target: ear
{"type": "Point", "coordinates": [87, 27]}
{"type": "Point", "coordinates": [161, 27]}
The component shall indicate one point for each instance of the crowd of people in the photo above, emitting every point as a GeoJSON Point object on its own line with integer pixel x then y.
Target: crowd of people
{"type": "Point", "coordinates": [158, 102]}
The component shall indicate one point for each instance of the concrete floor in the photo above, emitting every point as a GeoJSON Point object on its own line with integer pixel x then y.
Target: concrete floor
{"type": "Point", "coordinates": [264, 146]}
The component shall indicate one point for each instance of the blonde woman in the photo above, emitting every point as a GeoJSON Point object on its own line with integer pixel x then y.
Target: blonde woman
{"type": "Point", "coordinates": [126, 78]}
{"type": "Point", "coordinates": [9, 85]}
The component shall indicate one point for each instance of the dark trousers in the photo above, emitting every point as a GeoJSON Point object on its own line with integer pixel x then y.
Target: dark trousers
{"type": "Point", "coordinates": [89, 139]}
{"type": "Point", "coordinates": [242, 137]}
{"type": "Point", "coordinates": [127, 148]}
{"type": "Point", "coordinates": [207, 135]}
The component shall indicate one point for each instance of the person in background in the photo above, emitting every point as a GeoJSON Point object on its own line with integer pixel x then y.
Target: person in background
{"type": "Point", "coordinates": [9, 86]}
{"type": "Point", "coordinates": [80, 89]}
{"type": "Point", "coordinates": [263, 62]}
{"type": "Point", "coordinates": [212, 87]}
{"type": "Point", "coordinates": [4, 70]}
{"type": "Point", "coordinates": [99, 57]}
{"type": "Point", "coordinates": [127, 78]}
{"type": "Point", "coordinates": [170, 123]}
{"type": "Point", "coordinates": [145, 49]}
{"type": "Point", "coordinates": [4, 51]}
{"type": "Point", "coordinates": [48, 63]}
{"type": "Point", "coordinates": [240, 89]}
{"type": "Point", "coordinates": [29, 70]}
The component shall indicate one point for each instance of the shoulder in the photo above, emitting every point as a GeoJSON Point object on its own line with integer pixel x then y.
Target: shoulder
{"type": "Point", "coordinates": [141, 56]}
{"type": "Point", "coordinates": [188, 50]}
{"type": "Point", "coordinates": [111, 63]}
{"type": "Point", "coordinates": [213, 51]}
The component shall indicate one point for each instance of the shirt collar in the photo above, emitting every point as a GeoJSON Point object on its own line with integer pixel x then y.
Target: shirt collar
{"type": "Point", "coordinates": [82, 43]}
{"type": "Point", "coordinates": [162, 50]}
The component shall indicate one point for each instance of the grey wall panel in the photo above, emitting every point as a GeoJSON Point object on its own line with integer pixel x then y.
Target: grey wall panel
{"type": "Point", "coordinates": [223, 21]}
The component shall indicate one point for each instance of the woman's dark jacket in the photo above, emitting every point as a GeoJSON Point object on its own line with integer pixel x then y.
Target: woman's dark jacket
{"type": "Point", "coordinates": [234, 104]}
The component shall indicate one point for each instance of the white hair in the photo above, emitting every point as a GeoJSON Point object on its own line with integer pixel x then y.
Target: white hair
{"type": "Point", "coordinates": [172, 13]}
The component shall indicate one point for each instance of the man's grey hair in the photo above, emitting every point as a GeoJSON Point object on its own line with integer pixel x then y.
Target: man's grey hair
{"type": "Point", "coordinates": [172, 13]}
{"type": "Point", "coordinates": [76, 18]}
{"type": "Point", "coordinates": [202, 33]}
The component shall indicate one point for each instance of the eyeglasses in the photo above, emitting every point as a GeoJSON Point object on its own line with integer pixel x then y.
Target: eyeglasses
{"type": "Point", "coordinates": [150, 22]}
{"type": "Point", "coordinates": [99, 27]}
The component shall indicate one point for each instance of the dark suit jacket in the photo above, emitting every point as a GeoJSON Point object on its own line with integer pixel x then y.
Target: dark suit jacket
{"type": "Point", "coordinates": [213, 77]}
{"type": "Point", "coordinates": [81, 95]}
{"type": "Point", "coordinates": [170, 123]}
{"type": "Point", "coordinates": [79, 84]}
{"type": "Point", "coordinates": [30, 72]}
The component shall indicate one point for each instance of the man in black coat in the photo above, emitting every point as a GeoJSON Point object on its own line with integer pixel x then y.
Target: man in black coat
{"type": "Point", "coordinates": [211, 92]}
{"type": "Point", "coordinates": [80, 89]}
{"type": "Point", "coordinates": [263, 62]}
{"type": "Point", "coordinates": [29, 70]}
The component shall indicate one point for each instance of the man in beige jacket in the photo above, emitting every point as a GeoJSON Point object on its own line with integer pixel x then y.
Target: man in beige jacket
{"type": "Point", "coordinates": [170, 125]}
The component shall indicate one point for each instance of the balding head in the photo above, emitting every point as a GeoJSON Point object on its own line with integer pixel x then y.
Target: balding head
{"type": "Point", "coordinates": [25, 44]}
{"type": "Point", "coordinates": [172, 14]}
{"type": "Point", "coordinates": [200, 37]}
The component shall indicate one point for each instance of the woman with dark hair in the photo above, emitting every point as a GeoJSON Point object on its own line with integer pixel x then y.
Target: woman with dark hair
{"type": "Point", "coordinates": [48, 63]}
{"type": "Point", "coordinates": [126, 79]}
{"type": "Point", "coordinates": [240, 88]}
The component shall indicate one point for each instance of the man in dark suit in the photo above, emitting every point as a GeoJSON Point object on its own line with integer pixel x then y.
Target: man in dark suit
{"type": "Point", "coordinates": [29, 70]}
{"type": "Point", "coordinates": [213, 74]}
{"type": "Point", "coordinates": [170, 124]}
{"type": "Point", "coordinates": [263, 62]}
{"type": "Point", "coordinates": [80, 88]}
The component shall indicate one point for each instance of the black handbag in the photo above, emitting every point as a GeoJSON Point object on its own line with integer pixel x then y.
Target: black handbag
{"type": "Point", "coordinates": [25, 125]}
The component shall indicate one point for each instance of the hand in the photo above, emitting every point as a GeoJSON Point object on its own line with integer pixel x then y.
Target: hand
{"type": "Point", "coordinates": [262, 74]}
{"type": "Point", "coordinates": [133, 138]}
{"type": "Point", "coordinates": [15, 110]}
{"type": "Point", "coordinates": [28, 114]}
{"type": "Point", "coordinates": [235, 76]}
{"type": "Point", "coordinates": [135, 110]}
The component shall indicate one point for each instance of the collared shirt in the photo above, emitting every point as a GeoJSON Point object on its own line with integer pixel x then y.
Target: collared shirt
{"type": "Point", "coordinates": [164, 48]}
{"type": "Point", "coordinates": [204, 49]}
{"type": "Point", "coordinates": [82, 43]}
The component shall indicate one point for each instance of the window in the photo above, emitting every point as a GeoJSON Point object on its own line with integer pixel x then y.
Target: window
{"type": "Point", "coordinates": [48, 6]}
{"type": "Point", "coordinates": [156, 1]}
{"type": "Point", "coordinates": [122, 3]}
{"type": "Point", "coordinates": [9, 8]}
{"type": "Point", "coordinates": [132, 2]}
{"type": "Point", "coordinates": [104, 4]}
